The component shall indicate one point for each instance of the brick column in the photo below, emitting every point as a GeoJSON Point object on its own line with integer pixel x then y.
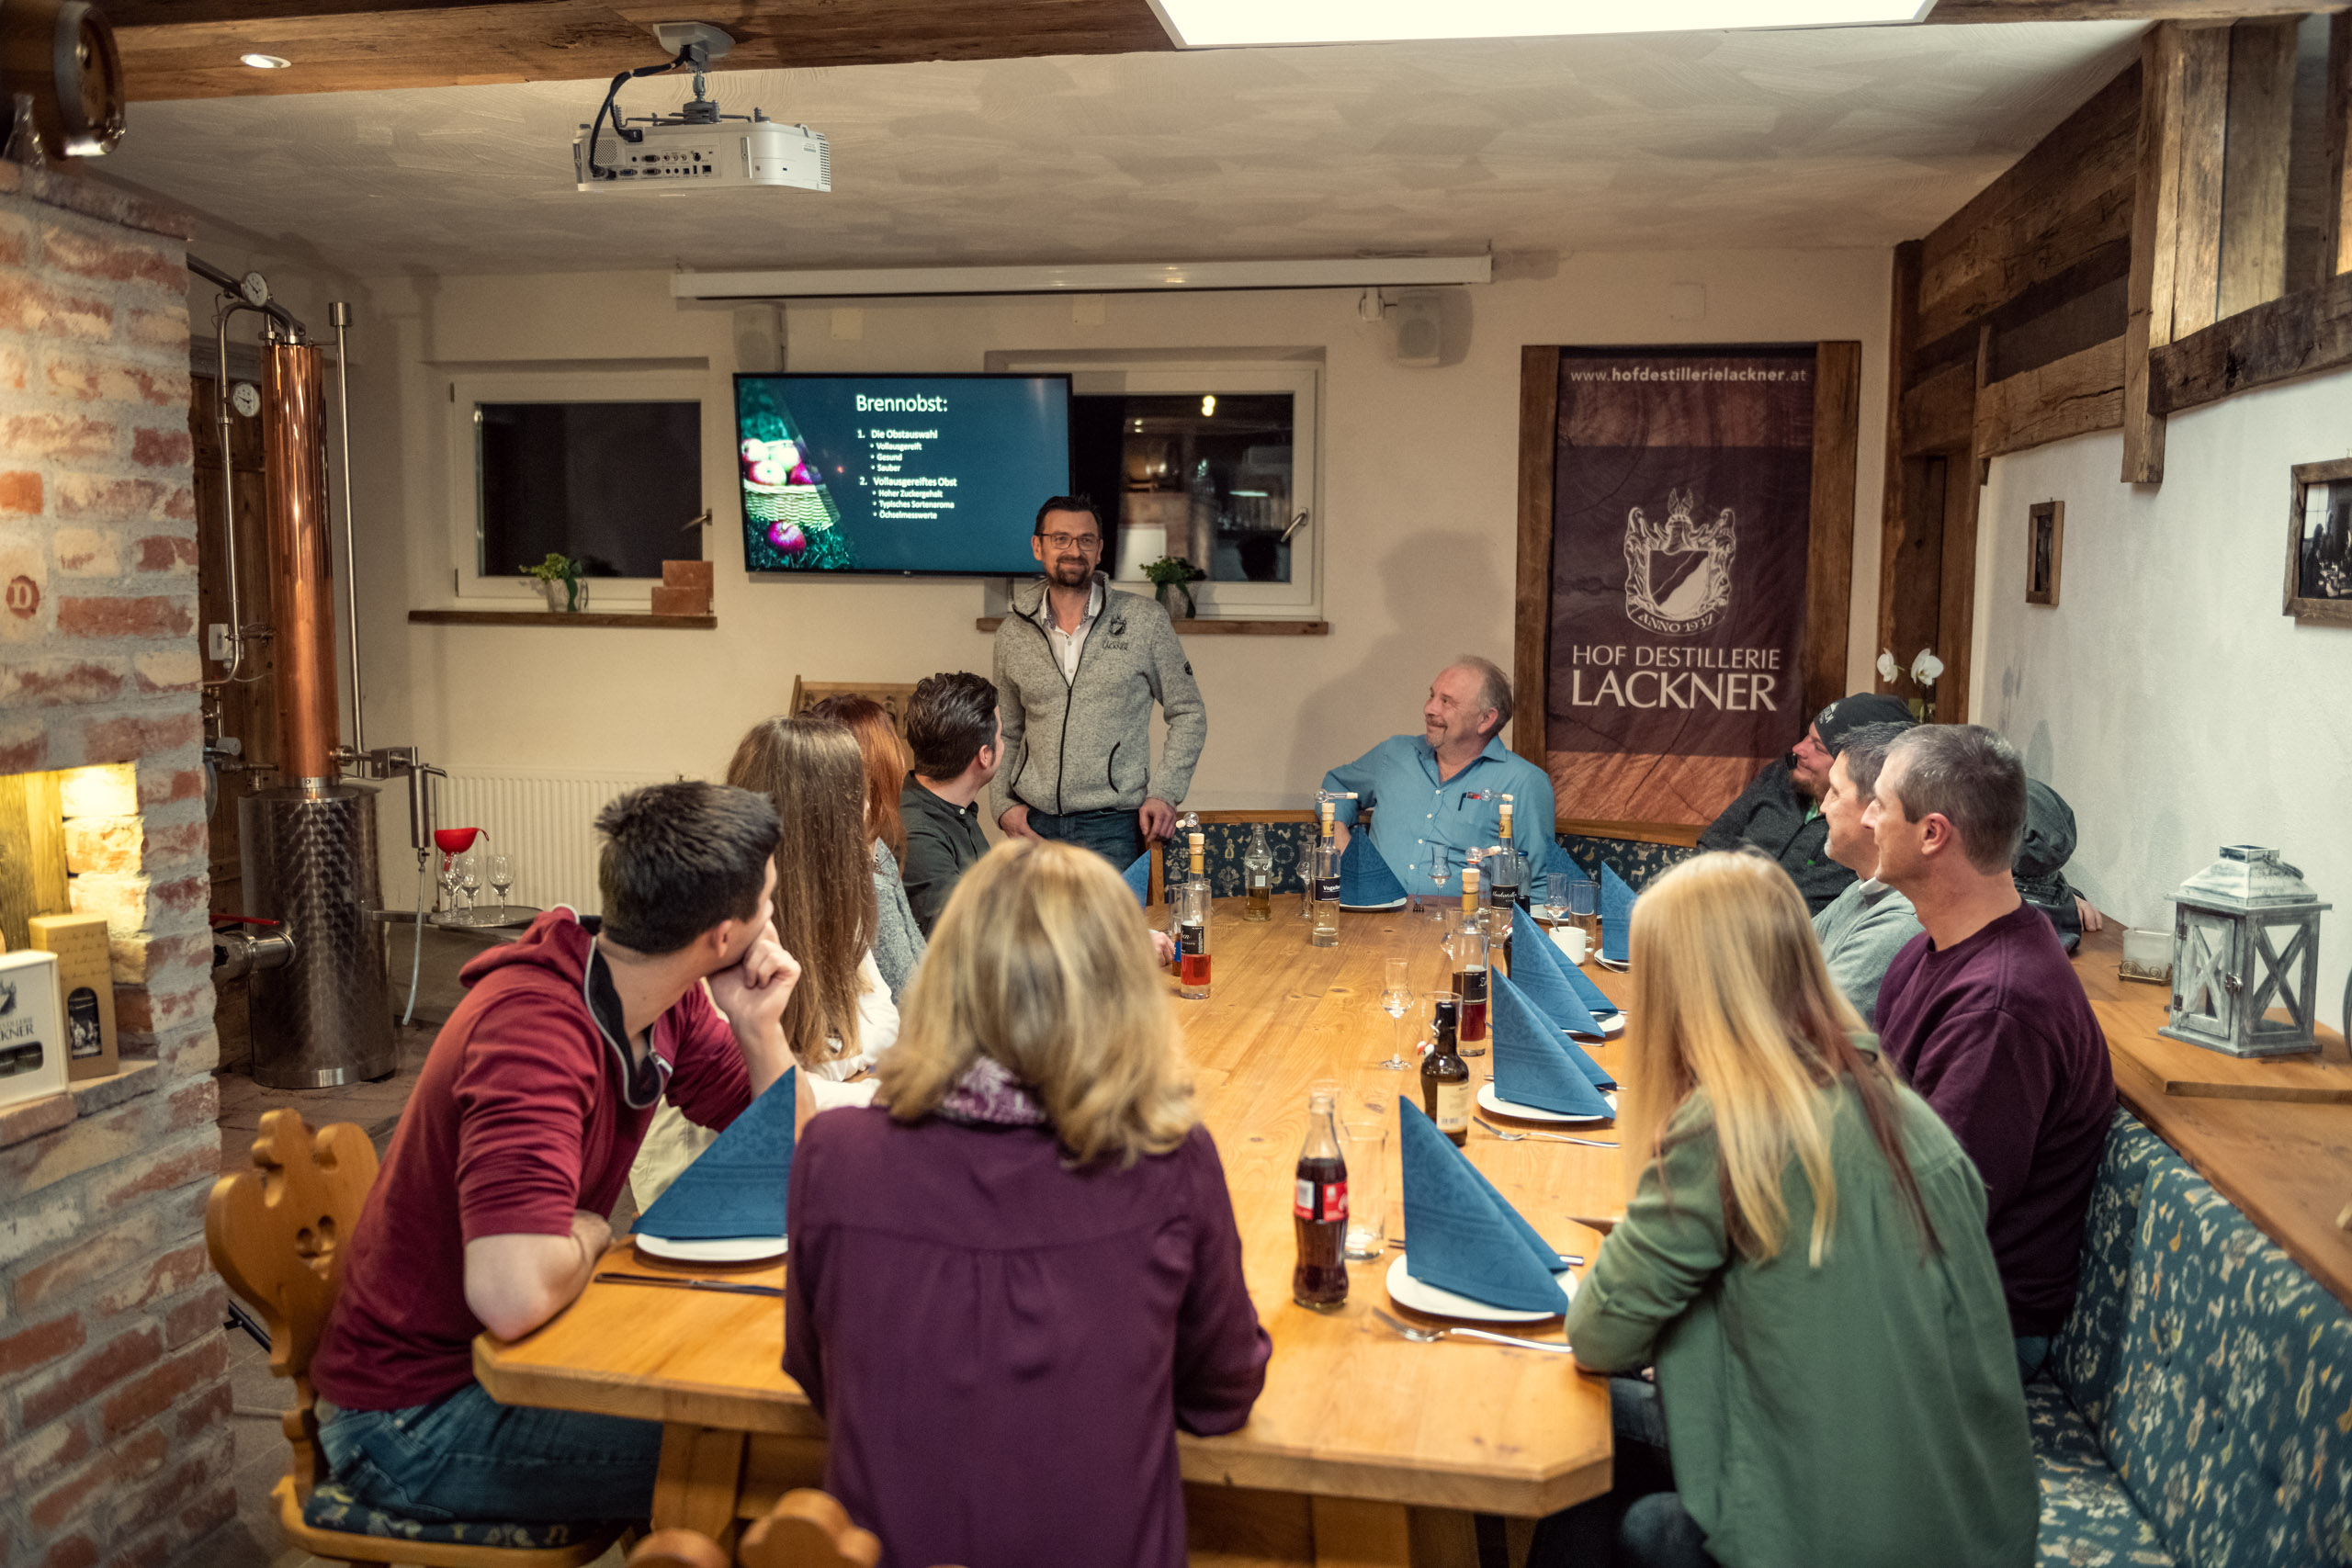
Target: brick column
{"type": "Point", "coordinates": [114, 1401]}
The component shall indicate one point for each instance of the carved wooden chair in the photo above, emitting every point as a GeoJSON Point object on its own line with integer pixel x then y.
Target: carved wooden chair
{"type": "Point", "coordinates": [275, 1233]}
{"type": "Point", "coordinates": [805, 1530]}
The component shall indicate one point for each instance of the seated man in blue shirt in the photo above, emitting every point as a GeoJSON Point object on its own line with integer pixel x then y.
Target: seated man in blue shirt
{"type": "Point", "coordinates": [1443, 789]}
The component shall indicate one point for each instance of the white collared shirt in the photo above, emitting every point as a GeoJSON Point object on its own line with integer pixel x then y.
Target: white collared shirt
{"type": "Point", "coordinates": [1068, 646]}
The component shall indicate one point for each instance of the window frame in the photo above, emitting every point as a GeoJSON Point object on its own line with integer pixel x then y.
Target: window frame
{"type": "Point", "coordinates": [468, 390]}
{"type": "Point", "coordinates": [1302, 597]}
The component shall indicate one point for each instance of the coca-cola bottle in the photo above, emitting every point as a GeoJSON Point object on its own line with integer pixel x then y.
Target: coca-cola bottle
{"type": "Point", "coordinates": [1320, 1279]}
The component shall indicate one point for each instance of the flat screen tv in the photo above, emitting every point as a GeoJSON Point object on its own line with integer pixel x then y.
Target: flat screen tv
{"type": "Point", "coordinates": [905, 475]}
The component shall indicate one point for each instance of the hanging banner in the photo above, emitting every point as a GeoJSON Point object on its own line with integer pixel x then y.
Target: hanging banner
{"type": "Point", "coordinates": [1681, 499]}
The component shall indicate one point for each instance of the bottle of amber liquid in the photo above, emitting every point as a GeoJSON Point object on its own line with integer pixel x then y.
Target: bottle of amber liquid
{"type": "Point", "coordinates": [1192, 931]}
{"type": "Point", "coordinates": [1258, 876]}
{"type": "Point", "coordinates": [1325, 891]}
{"type": "Point", "coordinates": [1445, 1076]}
{"type": "Point", "coordinates": [1320, 1279]}
{"type": "Point", "coordinates": [1467, 947]}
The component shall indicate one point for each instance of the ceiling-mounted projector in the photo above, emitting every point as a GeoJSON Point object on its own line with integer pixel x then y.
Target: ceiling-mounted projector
{"type": "Point", "coordinates": [697, 148]}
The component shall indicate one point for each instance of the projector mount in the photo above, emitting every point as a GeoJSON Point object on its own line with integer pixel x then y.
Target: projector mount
{"type": "Point", "coordinates": [697, 44]}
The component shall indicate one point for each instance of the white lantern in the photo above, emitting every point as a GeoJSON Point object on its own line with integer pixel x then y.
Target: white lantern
{"type": "Point", "coordinates": [2245, 940]}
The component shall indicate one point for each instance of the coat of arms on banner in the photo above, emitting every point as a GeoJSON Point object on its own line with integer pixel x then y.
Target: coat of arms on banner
{"type": "Point", "coordinates": [1678, 573]}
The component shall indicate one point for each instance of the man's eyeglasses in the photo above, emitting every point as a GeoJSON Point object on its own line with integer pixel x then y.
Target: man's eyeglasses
{"type": "Point", "coordinates": [1073, 541]}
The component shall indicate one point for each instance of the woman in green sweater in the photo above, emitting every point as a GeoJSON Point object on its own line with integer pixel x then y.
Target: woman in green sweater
{"type": "Point", "coordinates": [1804, 1263]}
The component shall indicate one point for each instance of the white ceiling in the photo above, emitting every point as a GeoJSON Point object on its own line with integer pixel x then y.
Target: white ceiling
{"type": "Point", "coordinates": [1826, 138]}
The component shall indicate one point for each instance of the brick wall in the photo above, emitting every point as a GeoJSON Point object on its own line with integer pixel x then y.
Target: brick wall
{"type": "Point", "coordinates": [114, 1404]}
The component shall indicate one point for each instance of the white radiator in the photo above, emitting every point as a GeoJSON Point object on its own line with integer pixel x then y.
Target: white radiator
{"type": "Point", "coordinates": [544, 817]}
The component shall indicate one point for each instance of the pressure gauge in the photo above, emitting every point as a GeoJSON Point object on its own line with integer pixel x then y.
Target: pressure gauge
{"type": "Point", "coordinates": [256, 288]}
{"type": "Point", "coordinates": [245, 399]}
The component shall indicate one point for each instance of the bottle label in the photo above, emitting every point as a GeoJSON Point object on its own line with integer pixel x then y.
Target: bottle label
{"type": "Point", "coordinates": [1327, 889]}
{"type": "Point", "coordinates": [1192, 939]}
{"type": "Point", "coordinates": [1453, 1107]}
{"type": "Point", "coordinates": [1324, 1201]}
{"type": "Point", "coordinates": [1260, 881]}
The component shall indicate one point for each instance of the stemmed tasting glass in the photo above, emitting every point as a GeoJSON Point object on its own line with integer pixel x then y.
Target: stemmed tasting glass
{"type": "Point", "coordinates": [451, 877]}
{"type": "Point", "coordinates": [469, 878]}
{"type": "Point", "coordinates": [502, 877]}
{"type": "Point", "coordinates": [1397, 1000]}
{"type": "Point", "coordinates": [1440, 873]}
{"type": "Point", "coordinates": [1555, 898]}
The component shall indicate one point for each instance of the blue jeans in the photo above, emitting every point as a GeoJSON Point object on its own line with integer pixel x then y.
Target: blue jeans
{"type": "Point", "coordinates": [1115, 834]}
{"type": "Point", "coordinates": [468, 1456]}
{"type": "Point", "coordinates": [1638, 1522]}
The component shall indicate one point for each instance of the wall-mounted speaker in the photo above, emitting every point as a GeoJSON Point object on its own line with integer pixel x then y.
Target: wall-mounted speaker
{"type": "Point", "coordinates": [758, 337]}
{"type": "Point", "coordinates": [1430, 326]}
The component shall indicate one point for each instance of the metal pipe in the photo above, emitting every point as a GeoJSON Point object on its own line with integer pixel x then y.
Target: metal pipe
{"type": "Point", "coordinates": [339, 313]}
{"type": "Point", "coordinates": [228, 306]}
{"type": "Point", "coordinates": [301, 591]}
{"type": "Point", "coordinates": [235, 289]}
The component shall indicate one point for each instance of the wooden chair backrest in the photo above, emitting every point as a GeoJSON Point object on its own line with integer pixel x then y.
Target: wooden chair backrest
{"type": "Point", "coordinates": [678, 1549]}
{"type": "Point", "coordinates": [808, 1529]}
{"type": "Point", "coordinates": [277, 1235]}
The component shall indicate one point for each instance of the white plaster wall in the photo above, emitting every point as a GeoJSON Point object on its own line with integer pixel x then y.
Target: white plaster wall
{"type": "Point", "coordinates": [2166, 696]}
{"type": "Point", "coordinates": [1419, 507]}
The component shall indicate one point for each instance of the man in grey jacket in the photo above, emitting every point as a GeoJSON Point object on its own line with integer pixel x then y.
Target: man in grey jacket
{"type": "Point", "coordinates": [1077, 668]}
{"type": "Point", "coordinates": [1865, 926]}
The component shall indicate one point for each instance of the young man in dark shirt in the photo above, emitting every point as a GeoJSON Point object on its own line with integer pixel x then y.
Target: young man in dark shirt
{"type": "Point", "coordinates": [1779, 811]}
{"type": "Point", "coordinates": [1985, 1016]}
{"type": "Point", "coordinates": [954, 732]}
{"type": "Point", "coordinates": [488, 1211]}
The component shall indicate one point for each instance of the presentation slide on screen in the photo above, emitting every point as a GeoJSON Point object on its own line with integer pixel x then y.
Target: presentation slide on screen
{"type": "Point", "coordinates": [898, 473]}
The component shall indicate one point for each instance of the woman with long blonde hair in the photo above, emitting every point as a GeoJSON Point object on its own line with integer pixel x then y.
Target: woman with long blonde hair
{"type": "Point", "coordinates": [1803, 1260]}
{"type": "Point", "coordinates": [840, 1019]}
{"type": "Point", "coordinates": [1031, 1208]}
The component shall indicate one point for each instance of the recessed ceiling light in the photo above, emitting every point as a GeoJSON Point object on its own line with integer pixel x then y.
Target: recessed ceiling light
{"type": "Point", "coordinates": [1211, 24]}
{"type": "Point", "coordinates": [265, 61]}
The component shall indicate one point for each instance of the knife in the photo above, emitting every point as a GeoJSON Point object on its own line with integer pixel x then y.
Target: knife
{"type": "Point", "coordinates": [690, 1284]}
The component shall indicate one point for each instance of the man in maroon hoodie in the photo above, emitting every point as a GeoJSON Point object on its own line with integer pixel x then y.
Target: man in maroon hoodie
{"type": "Point", "coordinates": [488, 1211]}
{"type": "Point", "coordinates": [1985, 1017]}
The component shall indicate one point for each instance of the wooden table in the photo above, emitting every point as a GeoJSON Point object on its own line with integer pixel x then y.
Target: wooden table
{"type": "Point", "coordinates": [1364, 1448]}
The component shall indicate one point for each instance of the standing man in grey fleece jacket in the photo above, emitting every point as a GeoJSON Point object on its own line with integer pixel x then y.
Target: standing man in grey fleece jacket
{"type": "Point", "coordinates": [1865, 926]}
{"type": "Point", "coordinates": [1077, 668]}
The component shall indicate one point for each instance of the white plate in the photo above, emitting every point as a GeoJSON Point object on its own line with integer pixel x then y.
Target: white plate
{"type": "Point", "coordinates": [1395, 903]}
{"type": "Point", "coordinates": [1611, 1027]}
{"type": "Point", "coordinates": [1422, 1296]}
{"type": "Point", "coordinates": [729, 1249]}
{"type": "Point", "coordinates": [1501, 1107]}
{"type": "Point", "coordinates": [1610, 964]}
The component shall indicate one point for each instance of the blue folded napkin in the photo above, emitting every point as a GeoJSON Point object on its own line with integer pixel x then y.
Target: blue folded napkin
{"type": "Point", "coordinates": [1365, 881]}
{"type": "Point", "coordinates": [1537, 1065]}
{"type": "Point", "coordinates": [1138, 878]}
{"type": "Point", "coordinates": [1463, 1235]}
{"type": "Point", "coordinates": [1556, 986]}
{"type": "Point", "coordinates": [735, 1190]}
{"type": "Point", "coordinates": [1616, 917]}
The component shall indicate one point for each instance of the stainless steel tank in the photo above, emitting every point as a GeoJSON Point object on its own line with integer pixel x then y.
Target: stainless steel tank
{"type": "Point", "coordinates": [310, 863]}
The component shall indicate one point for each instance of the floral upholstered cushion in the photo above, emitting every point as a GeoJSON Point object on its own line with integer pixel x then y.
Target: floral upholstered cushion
{"type": "Point", "coordinates": [1637, 862]}
{"type": "Point", "coordinates": [1224, 843]}
{"type": "Point", "coordinates": [2088, 1520]}
{"type": "Point", "coordinates": [2222, 1391]}
{"type": "Point", "coordinates": [333, 1507]}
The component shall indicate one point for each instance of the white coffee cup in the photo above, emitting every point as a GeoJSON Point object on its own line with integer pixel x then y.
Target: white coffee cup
{"type": "Point", "coordinates": [1569, 938]}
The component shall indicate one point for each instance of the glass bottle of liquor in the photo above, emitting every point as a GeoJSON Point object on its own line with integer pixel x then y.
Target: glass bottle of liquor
{"type": "Point", "coordinates": [1502, 890]}
{"type": "Point", "coordinates": [1468, 948]}
{"type": "Point", "coordinates": [1192, 931]}
{"type": "Point", "coordinates": [1320, 1279]}
{"type": "Point", "coordinates": [1327, 888]}
{"type": "Point", "coordinates": [1445, 1076]}
{"type": "Point", "coordinates": [1258, 876]}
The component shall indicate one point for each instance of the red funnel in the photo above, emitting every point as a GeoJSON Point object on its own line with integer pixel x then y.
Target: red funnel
{"type": "Point", "coordinates": [456, 841]}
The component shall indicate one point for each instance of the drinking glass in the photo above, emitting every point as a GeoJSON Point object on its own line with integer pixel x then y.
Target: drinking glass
{"type": "Point", "coordinates": [450, 878]}
{"type": "Point", "coordinates": [502, 877]}
{"type": "Point", "coordinates": [1584, 908]}
{"type": "Point", "coordinates": [1397, 1000]}
{"type": "Point", "coordinates": [1363, 1144]}
{"type": "Point", "coordinates": [1441, 870]}
{"type": "Point", "coordinates": [469, 878]}
{"type": "Point", "coordinates": [1555, 897]}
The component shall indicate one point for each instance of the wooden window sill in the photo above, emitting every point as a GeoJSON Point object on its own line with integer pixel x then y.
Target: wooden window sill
{"type": "Point", "coordinates": [638, 619]}
{"type": "Point", "coordinates": [1186, 626]}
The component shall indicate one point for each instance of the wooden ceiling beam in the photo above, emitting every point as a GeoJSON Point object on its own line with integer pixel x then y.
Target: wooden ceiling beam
{"type": "Point", "coordinates": [2208, 13]}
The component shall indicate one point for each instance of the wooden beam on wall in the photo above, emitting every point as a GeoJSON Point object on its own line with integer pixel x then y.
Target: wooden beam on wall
{"type": "Point", "coordinates": [2300, 336]}
{"type": "Point", "coordinates": [2256, 158]}
{"type": "Point", "coordinates": [1894, 509]}
{"type": "Point", "coordinates": [2206, 11]}
{"type": "Point", "coordinates": [1539, 452]}
{"type": "Point", "coordinates": [1939, 410]}
{"type": "Point", "coordinates": [2155, 208]}
{"type": "Point", "coordinates": [2335, 250]}
{"type": "Point", "coordinates": [1829, 563]}
{"type": "Point", "coordinates": [2072, 396]}
{"type": "Point", "coordinates": [2204, 141]}
{"type": "Point", "coordinates": [1956, 609]}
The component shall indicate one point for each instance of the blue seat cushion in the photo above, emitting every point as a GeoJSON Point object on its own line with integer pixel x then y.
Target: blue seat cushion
{"type": "Point", "coordinates": [332, 1507]}
{"type": "Point", "coordinates": [2089, 1520]}
{"type": "Point", "coordinates": [1638, 862]}
{"type": "Point", "coordinates": [1223, 845]}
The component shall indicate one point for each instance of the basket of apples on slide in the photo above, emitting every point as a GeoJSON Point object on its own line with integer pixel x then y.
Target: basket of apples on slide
{"type": "Point", "coordinates": [785, 501]}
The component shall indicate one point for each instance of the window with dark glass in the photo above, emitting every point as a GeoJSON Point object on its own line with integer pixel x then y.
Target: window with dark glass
{"type": "Point", "coordinates": [616, 486]}
{"type": "Point", "coordinates": [1206, 476]}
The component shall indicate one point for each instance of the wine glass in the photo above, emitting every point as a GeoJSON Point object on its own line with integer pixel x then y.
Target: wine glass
{"type": "Point", "coordinates": [1440, 873]}
{"type": "Point", "coordinates": [450, 879]}
{"type": "Point", "coordinates": [502, 877]}
{"type": "Point", "coordinates": [1397, 1000]}
{"type": "Point", "coordinates": [469, 878]}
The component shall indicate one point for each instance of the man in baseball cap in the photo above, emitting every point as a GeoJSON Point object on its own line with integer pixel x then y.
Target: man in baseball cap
{"type": "Point", "coordinates": [1779, 811]}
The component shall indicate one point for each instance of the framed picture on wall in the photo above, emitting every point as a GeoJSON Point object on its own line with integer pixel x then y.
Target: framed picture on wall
{"type": "Point", "coordinates": [2045, 536]}
{"type": "Point", "coordinates": [2319, 544]}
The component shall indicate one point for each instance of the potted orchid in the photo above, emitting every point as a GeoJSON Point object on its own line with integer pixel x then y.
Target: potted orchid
{"type": "Point", "coordinates": [1922, 675]}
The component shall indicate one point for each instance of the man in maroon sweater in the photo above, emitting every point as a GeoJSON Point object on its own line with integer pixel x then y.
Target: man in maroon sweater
{"type": "Point", "coordinates": [488, 1211]}
{"type": "Point", "coordinates": [1985, 1016]}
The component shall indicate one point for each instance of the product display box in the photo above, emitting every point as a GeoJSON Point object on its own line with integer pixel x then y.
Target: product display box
{"type": "Point", "coordinates": [32, 1030]}
{"type": "Point", "coordinates": [85, 982]}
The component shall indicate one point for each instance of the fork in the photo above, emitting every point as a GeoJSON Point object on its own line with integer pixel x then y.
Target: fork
{"type": "Point", "coordinates": [1432, 1336]}
{"type": "Point", "coordinates": [1510, 1137]}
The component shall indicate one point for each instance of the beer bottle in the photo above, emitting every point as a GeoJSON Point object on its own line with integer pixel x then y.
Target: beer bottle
{"type": "Point", "coordinates": [1320, 1279]}
{"type": "Point", "coordinates": [1445, 1076]}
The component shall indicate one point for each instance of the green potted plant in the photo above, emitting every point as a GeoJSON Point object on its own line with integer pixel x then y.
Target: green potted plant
{"type": "Point", "coordinates": [1169, 575]}
{"type": "Point", "coordinates": [560, 580]}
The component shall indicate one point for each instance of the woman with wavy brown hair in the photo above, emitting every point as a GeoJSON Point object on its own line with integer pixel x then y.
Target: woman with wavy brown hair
{"type": "Point", "coordinates": [1033, 1203]}
{"type": "Point", "coordinates": [898, 939]}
